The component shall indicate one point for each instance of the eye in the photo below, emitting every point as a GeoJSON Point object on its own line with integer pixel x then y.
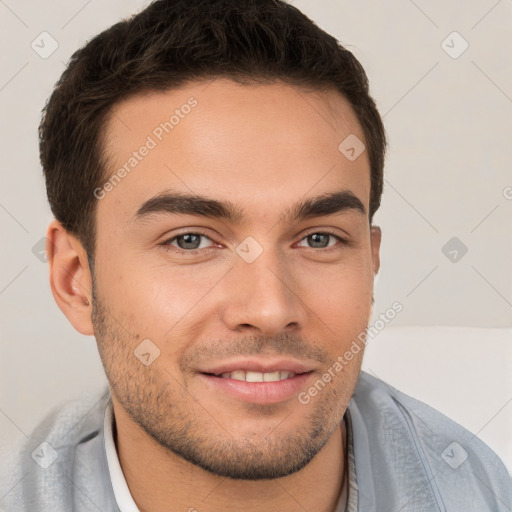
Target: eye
{"type": "Point", "coordinates": [320, 240]}
{"type": "Point", "coordinates": [188, 241]}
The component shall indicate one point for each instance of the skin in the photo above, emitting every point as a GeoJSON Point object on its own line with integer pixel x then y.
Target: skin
{"type": "Point", "coordinates": [263, 148]}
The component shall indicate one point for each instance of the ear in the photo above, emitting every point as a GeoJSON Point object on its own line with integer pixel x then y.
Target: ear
{"type": "Point", "coordinates": [376, 236]}
{"type": "Point", "coordinates": [70, 277]}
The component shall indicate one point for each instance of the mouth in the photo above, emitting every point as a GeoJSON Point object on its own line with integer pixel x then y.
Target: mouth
{"type": "Point", "coordinates": [252, 376]}
{"type": "Point", "coordinates": [261, 382]}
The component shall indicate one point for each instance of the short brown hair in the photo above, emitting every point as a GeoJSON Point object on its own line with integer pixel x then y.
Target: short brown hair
{"type": "Point", "coordinates": [171, 43]}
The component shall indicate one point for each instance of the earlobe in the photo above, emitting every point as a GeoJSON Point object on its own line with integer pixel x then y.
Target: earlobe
{"type": "Point", "coordinates": [70, 277]}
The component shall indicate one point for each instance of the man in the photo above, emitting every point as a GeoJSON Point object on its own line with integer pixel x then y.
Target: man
{"type": "Point", "coordinates": [214, 167]}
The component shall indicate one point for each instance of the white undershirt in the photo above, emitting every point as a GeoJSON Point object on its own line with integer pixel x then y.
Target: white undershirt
{"type": "Point", "coordinates": [122, 493]}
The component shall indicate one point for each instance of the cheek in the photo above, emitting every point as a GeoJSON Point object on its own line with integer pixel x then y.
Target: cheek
{"type": "Point", "coordinates": [340, 293]}
{"type": "Point", "coordinates": [156, 300]}
{"type": "Point", "coordinates": [339, 305]}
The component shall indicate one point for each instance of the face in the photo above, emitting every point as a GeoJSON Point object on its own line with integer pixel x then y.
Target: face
{"type": "Point", "coordinates": [234, 265]}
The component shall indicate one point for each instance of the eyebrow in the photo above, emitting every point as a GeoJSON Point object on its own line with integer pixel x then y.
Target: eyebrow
{"type": "Point", "coordinates": [192, 204]}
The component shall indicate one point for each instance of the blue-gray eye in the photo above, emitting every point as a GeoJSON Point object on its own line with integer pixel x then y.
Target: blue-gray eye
{"type": "Point", "coordinates": [320, 240]}
{"type": "Point", "coordinates": [189, 241]}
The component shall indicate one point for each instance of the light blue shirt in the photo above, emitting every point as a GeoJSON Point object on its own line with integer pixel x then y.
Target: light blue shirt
{"type": "Point", "coordinates": [403, 457]}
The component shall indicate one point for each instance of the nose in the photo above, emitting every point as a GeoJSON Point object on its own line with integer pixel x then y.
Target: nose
{"type": "Point", "coordinates": [263, 297]}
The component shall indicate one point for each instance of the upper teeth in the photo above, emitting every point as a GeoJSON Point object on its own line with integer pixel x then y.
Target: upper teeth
{"type": "Point", "coordinates": [258, 376]}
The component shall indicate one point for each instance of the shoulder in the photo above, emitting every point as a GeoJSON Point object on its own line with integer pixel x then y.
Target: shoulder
{"type": "Point", "coordinates": [423, 447]}
{"type": "Point", "coordinates": [42, 466]}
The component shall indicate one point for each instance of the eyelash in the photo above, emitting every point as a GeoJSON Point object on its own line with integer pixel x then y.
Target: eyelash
{"type": "Point", "coordinates": [167, 243]}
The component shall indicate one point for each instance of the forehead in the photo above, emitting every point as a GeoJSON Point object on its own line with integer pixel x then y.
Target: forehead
{"type": "Point", "coordinates": [259, 146]}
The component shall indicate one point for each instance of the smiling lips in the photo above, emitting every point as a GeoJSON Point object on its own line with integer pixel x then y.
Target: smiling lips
{"type": "Point", "coordinates": [250, 376]}
{"type": "Point", "coordinates": [252, 368]}
{"type": "Point", "coordinates": [259, 381]}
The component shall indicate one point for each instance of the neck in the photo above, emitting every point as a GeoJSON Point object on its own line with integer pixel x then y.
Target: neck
{"type": "Point", "coordinates": [157, 477]}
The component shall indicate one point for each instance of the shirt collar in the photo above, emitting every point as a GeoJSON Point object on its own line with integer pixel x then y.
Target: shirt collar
{"type": "Point", "coordinates": [121, 492]}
